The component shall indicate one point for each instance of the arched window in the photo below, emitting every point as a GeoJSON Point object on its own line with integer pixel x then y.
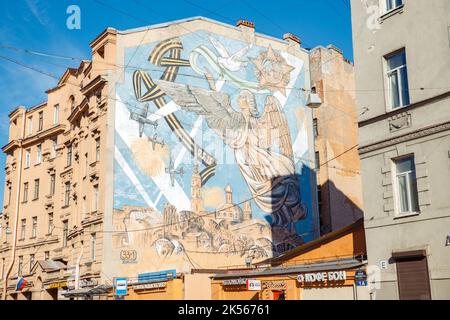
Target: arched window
{"type": "Point", "coordinates": [72, 102]}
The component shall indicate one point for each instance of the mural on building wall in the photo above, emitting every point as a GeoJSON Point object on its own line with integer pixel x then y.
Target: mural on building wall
{"type": "Point", "coordinates": [209, 148]}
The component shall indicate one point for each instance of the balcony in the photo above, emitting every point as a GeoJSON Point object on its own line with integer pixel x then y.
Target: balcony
{"type": "Point", "coordinates": [49, 201]}
{"type": "Point", "coordinates": [60, 254]}
{"type": "Point", "coordinates": [94, 171]}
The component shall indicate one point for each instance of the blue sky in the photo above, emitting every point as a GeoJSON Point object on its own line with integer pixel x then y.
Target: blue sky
{"type": "Point", "coordinates": [40, 25]}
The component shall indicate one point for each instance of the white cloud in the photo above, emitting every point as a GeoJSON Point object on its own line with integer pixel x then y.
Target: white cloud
{"type": "Point", "coordinates": [39, 11]}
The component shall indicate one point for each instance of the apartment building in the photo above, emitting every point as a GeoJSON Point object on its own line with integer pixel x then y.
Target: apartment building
{"type": "Point", "coordinates": [335, 128]}
{"type": "Point", "coordinates": [53, 202]}
{"type": "Point", "coordinates": [402, 64]}
{"type": "Point", "coordinates": [138, 175]}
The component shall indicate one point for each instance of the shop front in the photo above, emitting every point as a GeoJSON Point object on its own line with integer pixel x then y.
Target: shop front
{"type": "Point", "coordinates": [160, 285]}
{"type": "Point", "coordinates": [332, 267]}
{"type": "Point", "coordinates": [334, 280]}
{"type": "Point", "coordinates": [164, 290]}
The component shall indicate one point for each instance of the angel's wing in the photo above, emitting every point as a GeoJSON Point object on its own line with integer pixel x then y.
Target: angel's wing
{"type": "Point", "coordinates": [219, 47]}
{"type": "Point", "coordinates": [239, 56]}
{"type": "Point", "coordinates": [274, 120]}
{"type": "Point", "coordinates": [213, 105]}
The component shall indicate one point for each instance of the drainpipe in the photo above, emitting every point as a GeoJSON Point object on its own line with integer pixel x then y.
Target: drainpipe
{"type": "Point", "coordinates": [16, 211]}
{"type": "Point", "coordinates": [77, 268]}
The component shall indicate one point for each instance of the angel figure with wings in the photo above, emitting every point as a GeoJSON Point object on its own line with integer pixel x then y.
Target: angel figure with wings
{"type": "Point", "coordinates": [261, 142]}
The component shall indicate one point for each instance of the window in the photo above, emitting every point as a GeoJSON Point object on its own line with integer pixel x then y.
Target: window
{"type": "Point", "coordinates": [52, 184]}
{"type": "Point", "coordinates": [47, 255]}
{"type": "Point", "coordinates": [397, 79]}
{"type": "Point", "coordinates": [97, 149]}
{"type": "Point", "coordinates": [86, 164]}
{"type": "Point", "coordinates": [98, 96]}
{"type": "Point", "coordinates": [25, 192]}
{"type": "Point", "coordinates": [50, 223]}
{"type": "Point", "coordinates": [36, 189]}
{"type": "Point", "coordinates": [319, 198]}
{"type": "Point", "coordinates": [72, 102]}
{"type": "Point", "coordinates": [315, 128]}
{"type": "Point", "coordinates": [65, 232]}
{"type": "Point", "coordinates": [23, 227]}
{"type": "Point", "coordinates": [95, 199]}
{"type": "Point", "coordinates": [54, 146]}
{"type": "Point", "coordinates": [317, 160]}
{"type": "Point", "coordinates": [392, 4]}
{"type": "Point", "coordinates": [30, 125]}
{"type": "Point", "coordinates": [67, 194]}
{"type": "Point", "coordinates": [41, 121]}
{"type": "Point", "coordinates": [69, 155]}
{"type": "Point", "coordinates": [20, 267]}
{"type": "Point", "coordinates": [93, 244]}
{"type": "Point", "coordinates": [9, 194]}
{"type": "Point", "coordinates": [84, 206]}
{"type": "Point", "coordinates": [407, 200]}
{"type": "Point", "coordinates": [39, 154]}
{"type": "Point", "coordinates": [27, 158]}
{"type": "Point", "coordinates": [56, 114]}
{"type": "Point", "coordinates": [34, 227]}
{"type": "Point", "coordinates": [31, 261]}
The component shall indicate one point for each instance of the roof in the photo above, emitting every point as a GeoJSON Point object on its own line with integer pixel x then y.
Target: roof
{"type": "Point", "coordinates": [49, 265]}
{"type": "Point", "coordinates": [169, 23]}
{"type": "Point", "coordinates": [99, 290]}
{"type": "Point", "coordinates": [311, 244]}
{"type": "Point", "coordinates": [340, 264]}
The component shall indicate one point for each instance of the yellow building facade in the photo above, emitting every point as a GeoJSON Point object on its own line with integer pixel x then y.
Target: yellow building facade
{"type": "Point", "coordinates": [322, 269]}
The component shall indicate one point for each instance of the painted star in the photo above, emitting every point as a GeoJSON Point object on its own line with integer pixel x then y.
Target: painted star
{"type": "Point", "coordinates": [272, 71]}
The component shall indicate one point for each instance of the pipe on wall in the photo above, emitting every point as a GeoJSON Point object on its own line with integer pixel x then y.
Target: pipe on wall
{"type": "Point", "coordinates": [16, 211]}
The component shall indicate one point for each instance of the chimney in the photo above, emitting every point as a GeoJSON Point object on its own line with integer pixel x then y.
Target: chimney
{"type": "Point", "coordinates": [244, 23]}
{"type": "Point", "coordinates": [292, 37]}
{"type": "Point", "coordinates": [333, 47]}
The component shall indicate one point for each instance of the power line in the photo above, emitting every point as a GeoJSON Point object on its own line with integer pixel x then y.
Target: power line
{"type": "Point", "coordinates": [132, 106]}
{"type": "Point", "coordinates": [210, 11]}
{"type": "Point", "coordinates": [40, 53]}
{"type": "Point", "coordinates": [36, 251]}
{"type": "Point", "coordinates": [204, 214]}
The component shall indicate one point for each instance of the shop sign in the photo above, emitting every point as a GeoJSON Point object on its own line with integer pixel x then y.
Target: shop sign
{"type": "Point", "coordinates": [274, 284]}
{"type": "Point", "coordinates": [121, 286]}
{"type": "Point", "coordinates": [360, 278]}
{"type": "Point", "coordinates": [149, 286]}
{"type": "Point", "coordinates": [56, 285]}
{"type": "Point", "coordinates": [234, 282]}
{"type": "Point", "coordinates": [360, 275]}
{"type": "Point", "coordinates": [128, 256]}
{"type": "Point", "coordinates": [322, 277]}
{"type": "Point", "coordinates": [254, 285]}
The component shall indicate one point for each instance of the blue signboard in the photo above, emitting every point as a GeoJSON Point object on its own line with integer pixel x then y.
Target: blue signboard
{"type": "Point", "coordinates": [361, 283]}
{"type": "Point", "coordinates": [360, 275]}
{"type": "Point", "coordinates": [121, 286]}
{"type": "Point", "coordinates": [156, 276]}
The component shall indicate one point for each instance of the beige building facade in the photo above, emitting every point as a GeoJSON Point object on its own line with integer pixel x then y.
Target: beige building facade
{"type": "Point", "coordinates": [402, 64]}
{"type": "Point", "coordinates": [336, 138]}
{"type": "Point", "coordinates": [54, 196]}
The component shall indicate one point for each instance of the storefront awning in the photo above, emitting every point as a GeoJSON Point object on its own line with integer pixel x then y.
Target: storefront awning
{"type": "Point", "coordinates": [323, 266]}
{"type": "Point", "coordinates": [88, 292]}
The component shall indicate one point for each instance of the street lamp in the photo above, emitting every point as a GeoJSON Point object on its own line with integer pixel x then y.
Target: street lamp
{"type": "Point", "coordinates": [313, 101]}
